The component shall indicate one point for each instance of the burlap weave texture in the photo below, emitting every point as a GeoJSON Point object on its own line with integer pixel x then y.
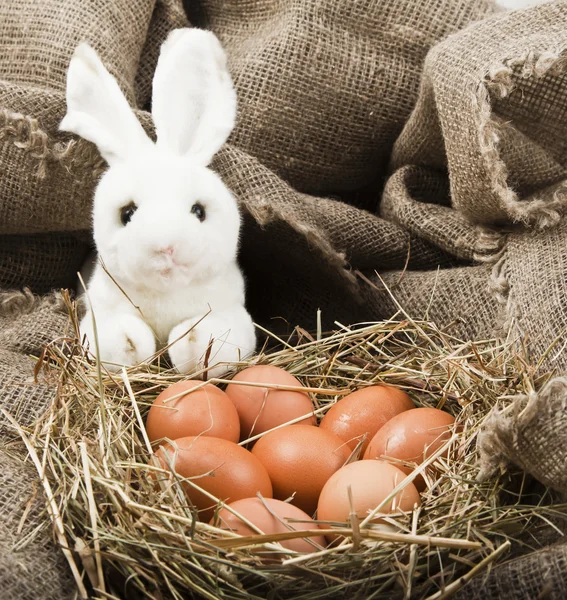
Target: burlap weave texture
{"type": "Point", "coordinates": [327, 86]}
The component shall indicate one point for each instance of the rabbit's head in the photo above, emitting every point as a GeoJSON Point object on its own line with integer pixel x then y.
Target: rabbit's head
{"type": "Point", "coordinates": [161, 217]}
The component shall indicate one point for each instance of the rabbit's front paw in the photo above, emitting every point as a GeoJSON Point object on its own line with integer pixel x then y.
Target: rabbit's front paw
{"type": "Point", "coordinates": [123, 340]}
{"type": "Point", "coordinates": [202, 343]}
{"type": "Point", "coordinates": [188, 344]}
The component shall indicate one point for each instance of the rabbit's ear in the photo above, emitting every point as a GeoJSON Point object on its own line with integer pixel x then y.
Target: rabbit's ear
{"type": "Point", "coordinates": [97, 109]}
{"type": "Point", "coordinates": [193, 99]}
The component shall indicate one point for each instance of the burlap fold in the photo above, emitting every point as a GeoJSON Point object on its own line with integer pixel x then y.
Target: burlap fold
{"type": "Point", "coordinates": [167, 15]}
{"type": "Point", "coordinates": [489, 111]}
{"type": "Point", "coordinates": [530, 282]}
{"type": "Point", "coordinates": [27, 324]}
{"type": "Point", "coordinates": [488, 123]}
{"type": "Point", "coordinates": [300, 252]}
{"type": "Point", "coordinates": [489, 129]}
{"type": "Point", "coordinates": [31, 565]}
{"type": "Point", "coordinates": [533, 435]}
{"type": "Point", "coordinates": [37, 39]}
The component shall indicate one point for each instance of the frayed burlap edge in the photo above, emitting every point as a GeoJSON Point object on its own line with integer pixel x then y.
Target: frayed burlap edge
{"type": "Point", "coordinates": [500, 289]}
{"type": "Point", "coordinates": [517, 435]}
{"type": "Point", "coordinates": [14, 303]}
{"type": "Point", "coordinates": [538, 213]}
{"type": "Point", "coordinates": [25, 133]}
{"type": "Point", "coordinates": [489, 245]}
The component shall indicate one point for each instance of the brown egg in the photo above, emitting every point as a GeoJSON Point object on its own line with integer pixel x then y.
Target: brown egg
{"type": "Point", "coordinates": [370, 483]}
{"type": "Point", "coordinates": [278, 517]}
{"type": "Point", "coordinates": [299, 460]}
{"type": "Point", "coordinates": [207, 411]}
{"type": "Point", "coordinates": [261, 408]}
{"type": "Point", "coordinates": [360, 415]}
{"type": "Point", "coordinates": [222, 468]}
{"type": "Point", "coordinates": [412, 436]}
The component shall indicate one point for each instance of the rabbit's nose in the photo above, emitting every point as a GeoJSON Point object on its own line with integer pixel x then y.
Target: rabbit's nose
{"type": "Point", "coordinates": [169, 250]}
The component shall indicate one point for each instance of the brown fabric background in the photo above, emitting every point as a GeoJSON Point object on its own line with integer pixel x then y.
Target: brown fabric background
{"type": "Point", "coordinates": [37, 39]}
{"type": "Point", "coordinates": [327, 86]}
{"type": "Point", "coordinates": [425, 141]}
{"type": "Point", "coordinates": [491, 111]}
{"type": "Point", "coordinates": [27, 324]}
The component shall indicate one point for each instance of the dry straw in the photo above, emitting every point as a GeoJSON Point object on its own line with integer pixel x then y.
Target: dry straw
{"type": "Point", "coordinates": [125, 536]}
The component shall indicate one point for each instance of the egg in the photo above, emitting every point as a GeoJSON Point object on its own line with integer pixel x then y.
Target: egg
{"type": "Point", "coordinates": [299, 460]}
{"type": "Point", "coordinates": [371, 482]}
{"type": "Point", "coordinates": [360, 415]}
{"type": "Point", "coordinates": [412, 436]}
{"type": "Point", "coordinates": [207, 411]}
{"type": "Point", "coordinates": [262, 408]}
{"type": "Point", "coordinates": [270, 516]}
{"type": "Point", "coordinates": [222, 468]}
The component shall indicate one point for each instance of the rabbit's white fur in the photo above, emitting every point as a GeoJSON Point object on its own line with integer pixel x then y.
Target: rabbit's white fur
{"type": "Point", "coordinates": [165, 277]}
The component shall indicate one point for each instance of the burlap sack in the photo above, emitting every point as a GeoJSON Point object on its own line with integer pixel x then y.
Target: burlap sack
{"type": "Point", "coordinates": [301, 253]}
{"type": "Point", "coordinates": [533, 435]}
{"type": "Point", "coordinates": [490, 110]}
{"type": "Point", "coordinates": [530, 282]}
{"type": "Point", "coordinates": [45, 260]}
{"type": "Point", "coordinates": [37, 39]}
{"type": "Point", "coordinates": [325, 87]}
{"type": "Point", "coordinates": [31, 566]}
{"type": "Point", "coordinates": [488, 123]}
{"type": "Point", "coordinates": [28, 323]}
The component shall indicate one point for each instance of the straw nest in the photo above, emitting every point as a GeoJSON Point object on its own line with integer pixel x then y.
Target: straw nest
{"type": "Point", "coordinates": [126, 537]}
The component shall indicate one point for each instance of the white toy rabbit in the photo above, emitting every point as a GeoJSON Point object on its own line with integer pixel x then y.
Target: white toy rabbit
{"type": "Point", "coordinates": [165, 226]}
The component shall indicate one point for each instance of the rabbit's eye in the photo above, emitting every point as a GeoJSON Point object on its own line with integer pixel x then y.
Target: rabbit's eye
{"type": "Point", "coordinates": [199, 211]}
{"type": "Point", "coordinates": [126, 212]}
